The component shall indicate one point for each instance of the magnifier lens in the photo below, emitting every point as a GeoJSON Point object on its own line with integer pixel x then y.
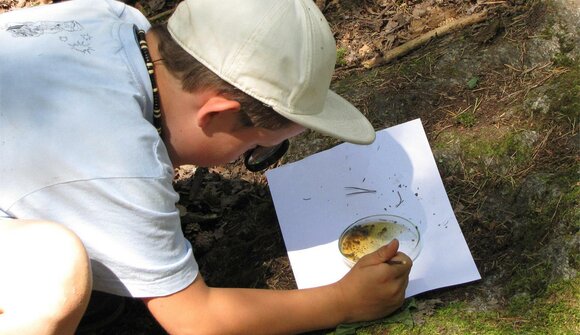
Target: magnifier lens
{"type": "Point", "coordinates": [260, 158]}
{"type": "Point", "coordinates": [261, 154]}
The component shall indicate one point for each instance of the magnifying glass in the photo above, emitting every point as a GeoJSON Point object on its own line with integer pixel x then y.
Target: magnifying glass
{"type": "Point", "coordinates": [261, 158]}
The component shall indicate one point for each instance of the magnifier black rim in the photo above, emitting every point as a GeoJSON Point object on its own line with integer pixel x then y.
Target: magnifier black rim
{"type": "Point", "coordinates": [269, 161]}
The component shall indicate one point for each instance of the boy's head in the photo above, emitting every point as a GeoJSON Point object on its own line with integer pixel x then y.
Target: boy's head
{"type": "Point", "coordinates": [281, 53]}
{"type": "Point", "coordinates": [194, 77]}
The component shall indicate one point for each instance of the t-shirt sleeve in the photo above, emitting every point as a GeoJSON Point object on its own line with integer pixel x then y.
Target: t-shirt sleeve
{"type": "Point", "coordinates": [131, 229]}
{"type": "Point", "coordinates": [129, 14]}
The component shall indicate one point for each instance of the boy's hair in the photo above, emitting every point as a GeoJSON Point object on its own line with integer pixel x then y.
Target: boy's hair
{"type": "Point", "coordinates": [194, 76]}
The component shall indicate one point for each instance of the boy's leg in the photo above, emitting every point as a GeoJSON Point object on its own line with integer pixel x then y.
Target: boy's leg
{"type": "Point", "coordinates": [45, 278]}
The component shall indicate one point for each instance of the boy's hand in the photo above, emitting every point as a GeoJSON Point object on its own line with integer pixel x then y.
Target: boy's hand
{"type": "Point", "coordinates": [373, 289]}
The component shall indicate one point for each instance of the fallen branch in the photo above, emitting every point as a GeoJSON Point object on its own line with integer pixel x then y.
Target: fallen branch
{"type": "Point", "coordinates": [161, 15]}
{"type": "Point", "coordinates": [413, 44]}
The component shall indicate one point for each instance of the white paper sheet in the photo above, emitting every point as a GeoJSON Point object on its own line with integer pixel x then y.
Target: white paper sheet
{"type": "Point", "coordinates": [313, 207]}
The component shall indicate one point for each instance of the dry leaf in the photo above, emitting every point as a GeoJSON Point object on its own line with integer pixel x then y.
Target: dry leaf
{"type": "Point", "coordinates": [364, 50]}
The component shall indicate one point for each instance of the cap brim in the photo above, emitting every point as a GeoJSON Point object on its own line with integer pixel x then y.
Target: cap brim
{"type": "Point", "coordinates": [339, 119]}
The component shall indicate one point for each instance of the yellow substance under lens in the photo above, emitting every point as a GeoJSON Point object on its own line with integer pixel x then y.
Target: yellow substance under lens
{"type": "Point", "coordinates": [368, 237]}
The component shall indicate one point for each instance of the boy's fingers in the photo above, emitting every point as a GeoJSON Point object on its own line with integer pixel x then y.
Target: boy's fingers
{"type": "Point", "coordinates": [383, 254]}
{"type": "Point", "coordinates": [388, 251]}
{"type": "Point", "coordinates": [403, 263]}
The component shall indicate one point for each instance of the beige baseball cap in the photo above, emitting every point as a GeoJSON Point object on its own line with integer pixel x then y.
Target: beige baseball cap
{"type": "Point", "coordinates": [281, 52]}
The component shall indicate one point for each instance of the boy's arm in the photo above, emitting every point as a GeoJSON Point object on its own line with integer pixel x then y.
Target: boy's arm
{"type": "Point", "coordinates": [372, 289]}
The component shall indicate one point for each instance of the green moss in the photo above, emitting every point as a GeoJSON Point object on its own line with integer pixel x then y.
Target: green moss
{"type": "Point", "coordinates": [568, 203]}
{"type": "Point", "coordinates": [563, 60]}
{"type": "Point", "coordinates": [555, 312]}
{"type": "Point", "coordinates": [519, 304]}
{"type": "Point", "coordinates": [340, 56]}
{"type": "Point", "coordinates": [486, 153]}
{"type": "Point", "coordinates": [564, 94]}
{"type": "Point", "coordinates": [528, 280]}
{"type": "Point", "coordinates": [466, 119]}
{"type": "Point", "coordinates": [457, 318]}
{"type": "Point", "coordinates": [552, 22]}
{"type": "Point", "coordinates": [472, 83]}
{"type": "Point", "coordinates": [565, 39]}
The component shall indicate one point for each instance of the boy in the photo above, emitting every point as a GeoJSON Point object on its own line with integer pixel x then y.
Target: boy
{"type": "Point", "coordinates": [94, 116]}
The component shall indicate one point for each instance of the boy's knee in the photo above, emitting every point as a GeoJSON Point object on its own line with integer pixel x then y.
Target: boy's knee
{"type": "Point", "coordinates": [53, 270]}
{"type": "Point", "coordinates": [46, 233]}
{"type": "Point", "coordinates": [65, 256]}
{"type": "Point", "coordinates": [53, 246]}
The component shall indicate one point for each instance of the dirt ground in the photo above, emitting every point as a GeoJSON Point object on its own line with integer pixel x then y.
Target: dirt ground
{"type": "Point", "coordinates": [499, 100]}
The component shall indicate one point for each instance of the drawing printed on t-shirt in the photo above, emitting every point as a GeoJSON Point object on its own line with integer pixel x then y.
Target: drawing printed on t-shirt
{"type": "Point", "coordinates": [35, 29]}
{"type": "Point", "coordinates": [83, 44]}
{"type": "Point", "coordinates": [65, 29]}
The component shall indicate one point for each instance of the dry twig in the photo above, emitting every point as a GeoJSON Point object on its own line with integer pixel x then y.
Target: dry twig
{"type": "Point", "coordinates": [161, 15]}
{"type": "Point", "coordinates": [423, 39]}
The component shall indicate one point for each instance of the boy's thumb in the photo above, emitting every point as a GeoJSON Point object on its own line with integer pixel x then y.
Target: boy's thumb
{"type": "Point", "coordinates": [384, 253]}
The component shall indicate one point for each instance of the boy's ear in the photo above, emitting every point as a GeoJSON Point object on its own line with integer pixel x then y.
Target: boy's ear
{"type": "Point", "coordinates": [213, 106]}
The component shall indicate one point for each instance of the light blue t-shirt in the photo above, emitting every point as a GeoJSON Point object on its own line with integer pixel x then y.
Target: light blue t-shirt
{"type": "Point", "coordinates": [77, 145]}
